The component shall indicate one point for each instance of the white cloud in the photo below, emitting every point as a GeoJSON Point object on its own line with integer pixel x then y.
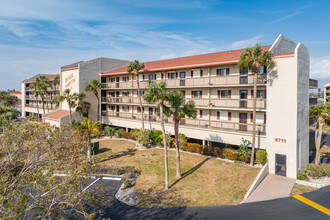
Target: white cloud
{"type": "Point", "coordinates": [320, 67]}
{"type": "Point", "coordinates": [245, 43]}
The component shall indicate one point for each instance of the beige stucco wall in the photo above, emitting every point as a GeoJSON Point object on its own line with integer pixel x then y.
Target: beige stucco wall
{"type": "Point", "coordinates": [69, 80]}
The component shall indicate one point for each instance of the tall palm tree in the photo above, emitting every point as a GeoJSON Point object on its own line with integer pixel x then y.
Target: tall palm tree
{"type": "Point", "coordinates": [82, 106]}
{"type": "Point", "coordinates": [320, 113]}
{"type": "Point", "coordinates": [89, 128]}
{"type": "Point", "coordinates": [134, 67]}
{"type": "Point", "coordinates": [94, 86]}
{"type": "Point", "coordinates": [36, 93]}
{"type": "Point", "coordinates": [179, 111]}
{"type": "Point", "coordinates": [56, 81]}
{"type": "Point", "coordinates": [253, 58]}
{"type": "Point", "coordinates": [43, 84]}
{"type": "Point", "coordinates": [156, 93]}
{"type": "Point", "coordinates": [71, 100]}
{"type": "Point", "coordinates": [57, 99]}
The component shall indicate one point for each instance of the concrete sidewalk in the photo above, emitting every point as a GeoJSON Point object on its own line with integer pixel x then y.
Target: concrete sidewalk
{"type": "Point", "coordinates": [272, 187]}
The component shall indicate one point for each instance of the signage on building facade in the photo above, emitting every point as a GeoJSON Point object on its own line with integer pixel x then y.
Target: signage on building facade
{"type": "Point", "coordinates": [69, 81]}
{"type": "Point", "coordinates": [281, 140]}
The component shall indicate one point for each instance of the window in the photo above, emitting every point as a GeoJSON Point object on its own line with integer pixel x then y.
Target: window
{"type": "Point", "coordinates": [223, 72]}
{"type": "Point", "coordinates": [125, 78]}
{"type": "Point", "coordinates": [139, 109]}
{"type": "Point", "coordinates": [201, 113]}
{"type": "Point", "coordinates": [125, 108]}
{"type": "Point", "coordinates": [112, 79]}
{"type": "Point", "coordinates": [141, 93]}
{"type": "Point", "coordinates": [182, 75]}
{"type": "Point", "coordinates": [251, 117]}
{"type": "Point", "coordinates": [196, 94]}
{"type": "Point", "coordinates": [224, 94]}
{"type": "Point", "coordinates": [229, 116]}
{"type": "Point", "coordinates": [173, 75]}
{"type": "Point", "coordinates": [260, 94]}
{"type": "Point", "coordinates": [218, 115]}
{"type": "Point", "coordinates": [263, 70]}
{"type": "Point", "coordinates": [103, 79]}
{"type": "Point", "coordinates": [244, 71]}
{"type": "Point", "coordinates": [151, 77]}
{"type": "Point", "coordinates": [126, 93]}
{"type": "Point", "coordinates": [201, 73]}
{"type": "Point", "coordinates": [243, 94]}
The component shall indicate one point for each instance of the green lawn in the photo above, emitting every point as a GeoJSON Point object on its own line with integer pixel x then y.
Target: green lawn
{"type": "Point", "coordinates": [205, 181]}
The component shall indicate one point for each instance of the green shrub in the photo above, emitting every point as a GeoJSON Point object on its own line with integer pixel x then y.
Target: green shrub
{"type": "Point", "coordinates": [232, 154]}
{"type": "Point", "coordinates": [143, 137]}
{"type": "Point", "coordinates": [302, 176]}
{"type": "Point", "coordinates": [199, 149]}
{"type": "Point", "coordinates": [192, 147]}
{"type": "Point", "coordinates": [119, 132]}
{"type": "Point", "coordinates": [127, 135]}
{"type": "Point", "coordinates": [110, 131]}
{"type": "Point", "coordinates": [217, 152]}
{"type": "Point", "coordinates": [207, 150]}
{"type": "Point", "coordinates": [156, 137]}
{"type": "Point", "coordinates": [127, 184]}
{"type": "Point", "coordinates": [317, 171]}
{"type": "Point", "coordinates": [245, 150]}
{"type": "Point", "coordinates": [261, 156]}
{"type": "Point", "coordinates": [182, 138]}
{"type": "Point", "coordinates": [184, 146]}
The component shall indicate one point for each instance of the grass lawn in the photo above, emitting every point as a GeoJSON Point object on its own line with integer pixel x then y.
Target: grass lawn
{"type": "Point", "coordinates": [300, 189]}
{"type": "Point", "coordinates": [205, 181]}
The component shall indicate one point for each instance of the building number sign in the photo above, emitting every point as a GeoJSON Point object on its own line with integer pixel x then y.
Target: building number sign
{"type": "Point", "coordinates": [281, 140]}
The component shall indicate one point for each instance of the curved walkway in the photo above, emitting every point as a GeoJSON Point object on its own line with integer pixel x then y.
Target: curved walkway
{"type": "Point", "coordinates": [286, 208]}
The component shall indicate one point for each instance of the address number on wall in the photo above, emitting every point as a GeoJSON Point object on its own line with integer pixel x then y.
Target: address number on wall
{"type": "Point", "coordinates": [281, 140]}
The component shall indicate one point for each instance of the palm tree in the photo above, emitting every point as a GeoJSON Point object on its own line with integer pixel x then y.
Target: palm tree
{"type": "Point", "coordinates": [156, 93]}
{"type": "Point", "coordinates": [36, 93]}
{"type": "Point", "coordinates": [320, 113]}
{"type": "Point", "coordinates": [94, 86]}
{"type": "Point", "coordinates": [82, 106]}
{"type": "Point", "coordinates": [57, 99]}
{"type": "Point", "coordinates": [179, 111]}
{"type": "Point", "coordinates": [56, 80]}
{"type": "Point", "coordinates": [89, 128]}
{"type": "Point", "coordinates": [135, 67]}
{"type": "Point", "coordinates": [71, 100]}
{"type": "Point", "coordinates": [253, 58]}
{"type": "Point", "coordinates": [43, 84]}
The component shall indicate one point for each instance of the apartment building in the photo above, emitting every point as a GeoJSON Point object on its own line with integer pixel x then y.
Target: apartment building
{"type": "Point", "coordinates": [18, 103]}
{"type": "Point", "coordinates": [223, 95]}
{"type": "Point", "coordinates": [74, 77]}
{"type": "Point", "coordinates": [31, 105]}
{"type": "Point", "coordinates": [327, 93]}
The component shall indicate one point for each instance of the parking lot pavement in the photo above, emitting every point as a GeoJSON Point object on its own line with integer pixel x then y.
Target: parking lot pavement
{"type": "Point", "coordinates": [109, 184]}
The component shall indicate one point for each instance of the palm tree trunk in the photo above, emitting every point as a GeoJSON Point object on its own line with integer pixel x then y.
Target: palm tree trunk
{"type": "Point", "coordinates": [47, 104]}
{"type": "Point", "coordinates": [89, 149]}
{"type": "Point", "coordinates": [255, 76]}
{"type": "Point", "coordinates": [176, 133]}
{"type": "Point", "coordinates": [140, 99]}
{"type": "Point", "coordinates": [70, 114]}
{"type": "Point", "coordinates": [165, 145]}
{"type": "Point", "coordinates": [318, 143]}
{"type": "Point", "coordinates": [98, 107]}
{"type": "Point", "coordinates": [37, 108]}
{"type": "Point", "coordinates": [43, 104]}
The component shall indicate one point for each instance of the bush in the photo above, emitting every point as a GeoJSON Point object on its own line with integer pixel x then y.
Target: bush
{"type": "Point", "coordinates": [207, 150]}
{"type": "Point", "coordinates": [217, 151]}
{"type": "Point", "coordinates": [232, 154]}
{"type": "Point", "coordinates": [156, 137]}
{"type": "Point", "coordinates": [245, 150]}
{"type": "Point", "coordinates": [182, 138]}
{"type": "Point", "coordinates": [143, 137]}
{"type": "Point", "coordinates": [127, 184]}
{"type": "Point", "coordinates": [184, 146]}
{"type": "Point", "coordinates": [192, 147]}
{"type": "Point", "coordinates": [127, 135]}
{"type": "Point", "coordinates": [110, 131]}
{"type": "Point", "coordinates": [317, 171]}
{"type": "Point", "coordinates": [302, 176]}
{"type": "Point", "coordinates": [119, 132]}
{"type": "Point", "coordinates": [261, 156]}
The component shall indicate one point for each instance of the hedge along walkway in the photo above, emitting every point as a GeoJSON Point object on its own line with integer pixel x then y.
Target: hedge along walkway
{"type": "Point", "coordinates": [205, 181]}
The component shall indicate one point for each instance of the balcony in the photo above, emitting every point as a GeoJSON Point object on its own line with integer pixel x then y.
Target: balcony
{"type": "Point", "coordinates": [230, 103]}
{"type": "Point", "coordinates": [313, 84]}
{"type": "Point", "coordinates": [117, 85]}
{"type": "Point", "coordinates": [111, 100]}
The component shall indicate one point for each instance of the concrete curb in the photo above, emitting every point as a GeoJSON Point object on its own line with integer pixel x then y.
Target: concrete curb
{"type": "Point", "coordinates": [311, 184]}
{"type": "Point", "coordinates": [261, 176]}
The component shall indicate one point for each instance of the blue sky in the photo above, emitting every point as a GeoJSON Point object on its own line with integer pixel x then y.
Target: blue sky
{"type": "Point", "coordinates": [39, 36]}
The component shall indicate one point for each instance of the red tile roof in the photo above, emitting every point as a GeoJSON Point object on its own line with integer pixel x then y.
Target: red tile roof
{"type": "Point", "coordinates": [56, 115]}
{"type": "Point", "coordinates": [209, 59]}
{"type": "Point", "coordinates": [33, 79]}
{"type": "Point", "coordinates": [15, 93]}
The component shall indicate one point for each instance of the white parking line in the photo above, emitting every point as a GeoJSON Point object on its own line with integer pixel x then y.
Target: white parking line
{"type": "Point", "coordinates": [48, 191]}
{"type": "Point", "coordinates": [91, 184]}
{"type": "Point", "coordinates": [112, 178]}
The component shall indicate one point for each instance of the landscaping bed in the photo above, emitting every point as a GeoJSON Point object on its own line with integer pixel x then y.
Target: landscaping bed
{"type": "Point", "coordinates": [204, 182]}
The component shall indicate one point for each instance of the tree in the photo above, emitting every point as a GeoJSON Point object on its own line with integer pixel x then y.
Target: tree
{"type": "Point", "coordinates": [134, 67]}
{"type": "Point", "coordinates": [30, 155]}
{"type": "Point", "coordinates": [57, 99]}
{"type": "Point", "coordinates": [156, 93]}
{"type": "Point", "coordinates": [7, 100]}
{"type": "Point", "coordinates": [36, 92]}
{"type": "Point", "coordinates": [43, 84]}
{"type": "Point", "coordinates": [70, 99]}
{"type": "Point", "coordinates": [110, 131]}
{"type": "Point", "coordinates": [179, 111]}
{"type": "Point", "coordinates": [253, 58]}
{"type": "Point", "coordinates": [90, 128]}
{"type": "Point", "coordinates": [320, 113]}
{"type": "Point", "coordinates": [94, 86]}
{"type": "Point", "coordinates": [82, 106]}
{"type": "Point", "coordinates": [56, 80]}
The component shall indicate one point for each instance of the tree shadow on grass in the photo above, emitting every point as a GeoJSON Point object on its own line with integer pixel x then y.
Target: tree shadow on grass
{"type": "Point", "coordinates": [129, 152]}
{"type": "Point", "coordinates": [102, 150]}
{"type": "Point", "coordinates": [187, 173]}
